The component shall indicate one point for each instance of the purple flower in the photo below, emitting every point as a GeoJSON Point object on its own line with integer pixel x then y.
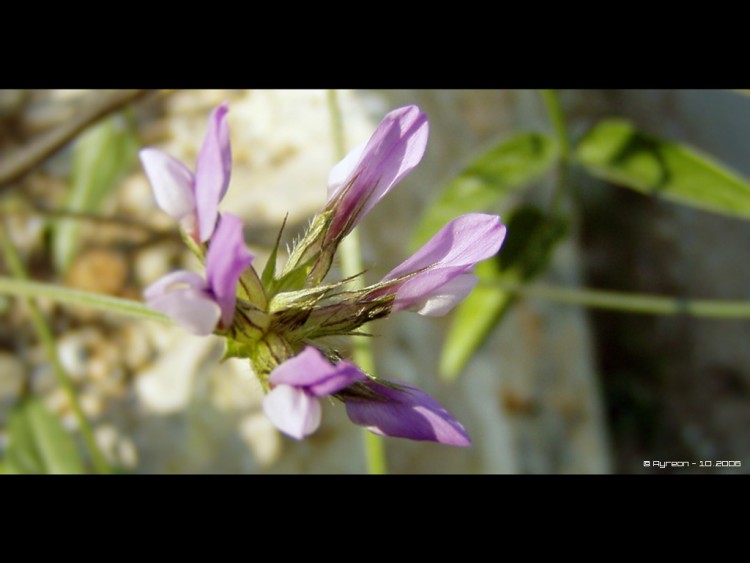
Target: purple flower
{"type": "Point", "coordinates": [441, 270]}
{"type": "Point", "coordinates": [293, 405]}
{"type": "Point", "coordinates": [368, 172]}
{"type": "Point", "coordinates": [387, 409]}
{"type": "Point", "coordinates": [200, 304]}
{"type": "Point", "coordinates": [403, 411]}
{"type": "Point", "coordinates": [193, 199]}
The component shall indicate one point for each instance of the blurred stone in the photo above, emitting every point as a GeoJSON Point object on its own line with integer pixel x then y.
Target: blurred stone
{"type": "Point", "coordinates": [262, 437]}
{"type": "Point", "coordinates": [98, 271]}
{"type": "Point", "coordinates": [116, 447]}
{"type": "Point", "coordinates": [135, 347]}
{"type": "Point", "coordinates": [166, 386]}
{"type": "Point", "coordinates": [135, 197]}
{"type": "Point", "coordinates": [150, 264]}
{"type": "Point", "coordinates": [73, 351]}
{"type": "Point", "coordinates": [43, 378]}
{"type": "Point", "coordinates": [92, 403]}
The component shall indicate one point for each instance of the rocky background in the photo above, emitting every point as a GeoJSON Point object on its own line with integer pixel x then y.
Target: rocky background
{"type": "Point", "coordinates": [556, 389]}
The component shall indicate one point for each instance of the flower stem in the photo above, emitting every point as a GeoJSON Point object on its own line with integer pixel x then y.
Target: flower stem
{"type": "Point", "coordinates": [631, 302]}
{"type": "Point", "coordinates": [351, 265]}
{"type": "Point", "coordinates": [557, 117]}
{"type": "Point", "coordinates": [106, 303]}
{"type": "Point", "coordinates": [44, 332]}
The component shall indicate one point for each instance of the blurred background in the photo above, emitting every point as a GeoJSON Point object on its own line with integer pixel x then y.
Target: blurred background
{"type": "Point", "coordinates": [555, 388]}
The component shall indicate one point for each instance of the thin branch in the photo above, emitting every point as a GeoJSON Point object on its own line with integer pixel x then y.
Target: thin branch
{"type": "Point", "coordinates": [630, 302]}
{"type": "Point", "coordinates": [26, 158]}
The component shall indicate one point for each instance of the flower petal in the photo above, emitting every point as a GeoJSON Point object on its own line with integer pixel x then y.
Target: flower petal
{"type": "Point", "coordinates": [440, 271]}
{"type": "Point", "coordinates": [443, 299]}
{"type": "Point", "coordinates": [292, 411]}
{"type": "Point", "coordinates": [182, 296]}
{"type": "Point", "coordinates": [421, 287]}
{"type": "Point", "coordinates": [173, 281]}
{"type": "Point", "coordinates": [171, 181]}
{"type": "Point", "coordinates": [341, 172]}
{"type": "Point", "coordinates": [464, 241]}
{"type": "Point", "coordinates": [311, 370]}
{"type": "Point", "coordinates": [226, 259]}
{"type": "Point", "coordinates": [407, 412]}
{"type": "Point", "coordinates": [393, 151]}
{"type": "Point", "coordinates": [212, 171]}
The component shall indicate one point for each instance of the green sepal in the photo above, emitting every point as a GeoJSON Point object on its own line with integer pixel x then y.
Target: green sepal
{"type": "Point", "coordinates": [251, 289]}
{"type": "Point", "coordinates": [268, 353]}
{"type": "Point", "coordinates": [236, 349]}
{"type": "Point", "coordinates": [344, 315]}
{"type": "Point", "coordinates": [305, 250]}
{"type": "Point", "coordinates": [249, 324]}
{"type": "Point", "coordinates": [268, 275]}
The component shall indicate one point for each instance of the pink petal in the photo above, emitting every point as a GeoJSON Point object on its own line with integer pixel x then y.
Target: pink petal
{"type": "Point", "coordinates": [182, 297]}
{"type": "Point", "coordinates": [292, 411]}
{"type": "Point", "coordinates": [464, 241]}
{"type": "Point", "coordinates": [445, 298]}
{"type": "Point", "coordinates": [227, 258]}
{"type": "Point", "coordinates": [341, 171]}
{"type": "Point", "coordinates": [312, 371]}
{"type": "Point", "coordinates": [180, 279]}
{"type": "Point", "coordinates": [441, 270]}
{"type": "Point", "coordinates": [393, 151]}
{"type": "Point", "coordinates": [171, 181]}
{"type": "Point", "coordinates": [212, 171]}
{"type": "Point", "coordinates": [407, 412]}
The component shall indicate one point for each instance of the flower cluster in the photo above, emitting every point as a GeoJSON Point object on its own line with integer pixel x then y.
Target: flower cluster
{"type": "Point", "coordinates": [277, 319]}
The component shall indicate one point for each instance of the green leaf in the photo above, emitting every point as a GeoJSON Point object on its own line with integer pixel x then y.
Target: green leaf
{"type": "Point", "coordinates": [38, 443]}
{"type": "Point", "coordinates": [484, 183]}
{"type": "Point", "coordinates": [101, 156]}
{"type": "Point", "coordinates": [528, 247]}
{"type": "Point", "coordinates": [617, 152]}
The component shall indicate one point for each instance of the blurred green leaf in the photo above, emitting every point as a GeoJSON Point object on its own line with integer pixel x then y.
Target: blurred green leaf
{"type": "Point", "coordinates": [617, 152]}
{"type": "Point", "coordinates": [481, 186]}
{"type": "Point", "coordinates": [530, 240]}
{"type": "Point", "coordinates": [38, 443]}
{"type": "Point", "coordinates": [101, 156]}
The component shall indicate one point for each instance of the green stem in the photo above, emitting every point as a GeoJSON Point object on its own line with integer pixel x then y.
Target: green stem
{"type": "Point", "coordinates": [106, 303]}
{"type": "Point", "coordinates": [351, 264]}
{"type": "Point", "coordinates": [631, 302]}
{"type": "Point", "coordinates": [48, 342]}
{"type": "Point", "coordinates": [557, 117]}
